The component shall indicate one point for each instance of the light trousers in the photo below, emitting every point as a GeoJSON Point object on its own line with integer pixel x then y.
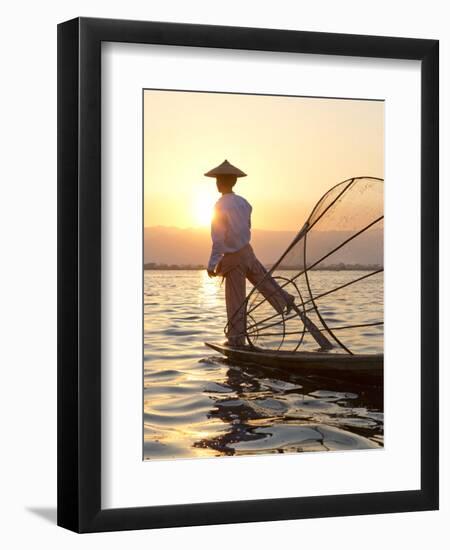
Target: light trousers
{"type": "Point", "coordinates": [236, 267]}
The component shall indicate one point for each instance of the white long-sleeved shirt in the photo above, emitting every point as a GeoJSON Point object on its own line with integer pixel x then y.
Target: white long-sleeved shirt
{"type": "Point", "coordinates": [230, 226]}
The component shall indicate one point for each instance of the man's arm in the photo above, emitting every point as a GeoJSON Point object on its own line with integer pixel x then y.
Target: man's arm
{"type": "Point", "coordinates": [218, 229]}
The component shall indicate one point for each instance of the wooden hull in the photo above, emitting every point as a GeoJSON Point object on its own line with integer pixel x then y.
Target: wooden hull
{"type": "Point", "coordinates": [306, 362]}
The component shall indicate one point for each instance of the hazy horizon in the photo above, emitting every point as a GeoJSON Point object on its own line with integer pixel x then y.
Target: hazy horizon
{"type": "Point", "coordinates": [183, 246]}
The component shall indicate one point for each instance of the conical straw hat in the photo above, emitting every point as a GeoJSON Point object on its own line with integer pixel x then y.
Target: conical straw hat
{"type": "Point", "coordinates": [225, 168]}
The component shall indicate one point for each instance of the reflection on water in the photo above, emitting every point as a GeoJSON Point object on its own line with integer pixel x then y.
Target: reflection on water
{"type": "Point", "coordinates": [199, 404]}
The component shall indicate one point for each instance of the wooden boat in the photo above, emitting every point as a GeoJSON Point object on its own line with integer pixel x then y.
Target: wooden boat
{"type": "Point", "coordinates": [337, 365]}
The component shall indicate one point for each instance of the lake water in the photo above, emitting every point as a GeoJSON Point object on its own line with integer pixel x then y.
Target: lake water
{"type": "Point", "coordinates": [199, 404]}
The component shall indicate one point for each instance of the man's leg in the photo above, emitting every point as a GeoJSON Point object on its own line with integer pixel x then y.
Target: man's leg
{"type": "Point", "coordinates": [234, 297]}
{"type": "Point", "coordinates": [280, 299]}
{"type": "Point", "coordinates": [269, 288]}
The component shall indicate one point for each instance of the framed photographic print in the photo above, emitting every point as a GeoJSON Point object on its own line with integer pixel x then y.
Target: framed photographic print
{"type": "Point", "coordinates": [247, 276]}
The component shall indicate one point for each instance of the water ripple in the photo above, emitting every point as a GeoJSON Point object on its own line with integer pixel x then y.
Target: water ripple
{"type": "Point", "coordinates": [199, 404]}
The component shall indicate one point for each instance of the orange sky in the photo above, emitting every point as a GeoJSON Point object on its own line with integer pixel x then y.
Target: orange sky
{"type": "Point", "coordinates": [293, 150]}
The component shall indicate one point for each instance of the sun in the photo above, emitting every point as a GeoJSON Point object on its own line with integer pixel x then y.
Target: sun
{"type": "Point", "coordinates": [203, 208]}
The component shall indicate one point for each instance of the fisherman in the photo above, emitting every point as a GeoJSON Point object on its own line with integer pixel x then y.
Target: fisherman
{"type": "Point", "coordinates": [232, 255]}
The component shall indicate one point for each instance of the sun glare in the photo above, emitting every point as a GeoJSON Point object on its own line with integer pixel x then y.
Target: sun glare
{"type": "Point", "coordinates": [203, 208]}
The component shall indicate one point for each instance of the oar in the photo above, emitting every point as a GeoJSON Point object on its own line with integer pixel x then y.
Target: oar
{"type": "Point", "coordinates": [318, 336]}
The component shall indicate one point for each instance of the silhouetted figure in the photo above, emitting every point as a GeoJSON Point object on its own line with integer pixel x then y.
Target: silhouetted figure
{"type": "Point", "coordinates": [232, 255]}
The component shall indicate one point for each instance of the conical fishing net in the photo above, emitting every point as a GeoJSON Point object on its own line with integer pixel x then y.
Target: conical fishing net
{"type": "Point", "coordinates": [334, 269]}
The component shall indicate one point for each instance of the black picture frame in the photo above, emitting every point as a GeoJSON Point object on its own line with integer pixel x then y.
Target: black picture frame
{"type": "Point", "coordinates": [79, 274]}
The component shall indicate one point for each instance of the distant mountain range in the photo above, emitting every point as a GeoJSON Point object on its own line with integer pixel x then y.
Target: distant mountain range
{"type": "Point", "coordinates": [172, 245]}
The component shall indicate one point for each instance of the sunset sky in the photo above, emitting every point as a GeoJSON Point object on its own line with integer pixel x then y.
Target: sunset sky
{"type": "Point", "coordinates": [293, 150]}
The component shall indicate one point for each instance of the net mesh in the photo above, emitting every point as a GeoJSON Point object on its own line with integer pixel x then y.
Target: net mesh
{"type": "Point", "coordinates": [334, 270]}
